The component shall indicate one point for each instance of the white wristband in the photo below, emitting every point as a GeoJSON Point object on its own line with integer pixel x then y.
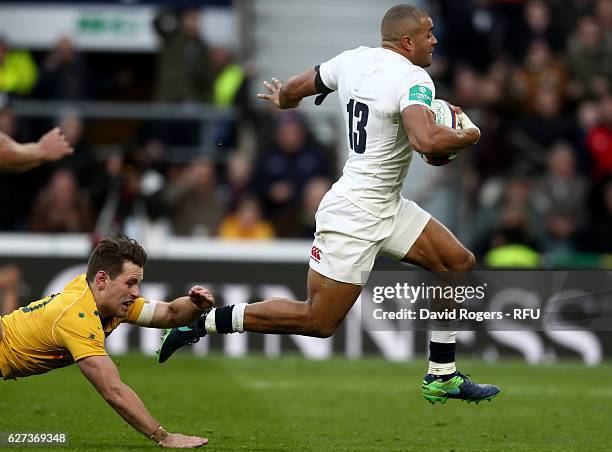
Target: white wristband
{"type": "Point", "coordinates": [210, 324]}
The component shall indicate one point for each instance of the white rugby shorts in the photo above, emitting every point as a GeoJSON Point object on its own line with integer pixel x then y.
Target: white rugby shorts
{"type": "Point", "coordinates": [348, 239]}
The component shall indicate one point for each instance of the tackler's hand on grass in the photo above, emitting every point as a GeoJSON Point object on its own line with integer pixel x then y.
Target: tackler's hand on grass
{"type": "Point", "coordinates": [180, 441]}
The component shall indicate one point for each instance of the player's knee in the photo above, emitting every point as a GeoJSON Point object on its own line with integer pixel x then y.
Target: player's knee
{"type": "Point", "coordinates": [323, 331]}
{"type": "Point", "coordinates": [319, 327]}
{"type": "Point", "coordinates": [462, 262]}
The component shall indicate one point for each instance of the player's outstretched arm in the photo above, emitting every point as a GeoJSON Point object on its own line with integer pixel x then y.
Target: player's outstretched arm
{"type": "Point", "coordinates": [289, 94]}
{"type": "Point", "coordinates": [16, 157]}
{"type": "Point", "coordinates": [103, 374]}
{"type": "Point", "coordinates": [183, 310]}
{"type": "Point", "coordinates": [428, 137]}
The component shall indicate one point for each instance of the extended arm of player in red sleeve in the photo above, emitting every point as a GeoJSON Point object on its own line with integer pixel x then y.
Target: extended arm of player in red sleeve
{"type": "Point", "coordinates": [428, 137]}
{"type": "Point", "coordinates": [16, 157]}
{"type": "Point", "coordinates": [103, 374]}
{"type": "Point", "coordinates": [183, 310]}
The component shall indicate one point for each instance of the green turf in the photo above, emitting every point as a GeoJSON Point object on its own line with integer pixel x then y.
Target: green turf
{"type": "Point", "coordinates": [294, 404]}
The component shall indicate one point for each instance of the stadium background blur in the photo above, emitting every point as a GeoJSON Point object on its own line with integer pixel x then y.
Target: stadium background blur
{"type": "Point", "coordinates": [173, 148]}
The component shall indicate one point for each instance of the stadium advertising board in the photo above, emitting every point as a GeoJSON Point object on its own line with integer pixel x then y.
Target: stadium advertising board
{"type": "Point", "coordinates": [554, 314]}
{"type": "Point", "coordinates": [103, 27]}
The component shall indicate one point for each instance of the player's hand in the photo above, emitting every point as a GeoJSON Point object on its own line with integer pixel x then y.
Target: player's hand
{"type": "Point", "coordinates": [54, 145]}
{"type": "Point", "coordinates": [274, 92]}
{"type": "Point", "coordinates": [466, 123]}
{"type": "Point", "coordinates": [456, 109]}
{"type": "Point", "coordinates": [201, 297]}
{"type": "Point", "coordinates": [180, 441]}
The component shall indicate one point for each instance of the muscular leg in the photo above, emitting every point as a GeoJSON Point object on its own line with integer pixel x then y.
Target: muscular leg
{"type": "Point", "coordinates": [320, 315]}
{"type": "Point", "coordinates": [437, 249]}
{"type": "Point", "coordinates": [328, 303]}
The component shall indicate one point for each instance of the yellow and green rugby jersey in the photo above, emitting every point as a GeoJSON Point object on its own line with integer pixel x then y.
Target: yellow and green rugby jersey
{"type": "Point", "coordinates": [56, 331]}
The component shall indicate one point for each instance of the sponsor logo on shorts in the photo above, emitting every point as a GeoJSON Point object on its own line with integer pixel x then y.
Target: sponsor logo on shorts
{"type": "Point", "coordinates": [315, 253]}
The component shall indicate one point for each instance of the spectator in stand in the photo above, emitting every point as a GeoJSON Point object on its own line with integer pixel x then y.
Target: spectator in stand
{"type": "Point", "coordinates": [493, 155]}
{"type": "Point", "coordinates": [603, 15]}
{"type": "Point", "coordinates": [472, 30]}
{"type": "Point", "coordinates": [511, 244]}
{"type": "Point", "coordinates": [506, 215]}
{"type": "Point", "coordinates": [559, 197]}
{"type": "Point", "coordinates": [246, 222]}
{"type": "Point", "coordinates": [184, 73]}
{"type": "Point", "coordinates": [285, 169]}
{"type": "Point", "coordinates": [537, 133]}
{"type": "Point", "coordinates": [314, 191]}
{"type": "Point", "coordinates": [466, 87]}
{"type": "Point", "coordinates": [229, 90]}
{"type": "Point", "coordinates": [128, 191]}
{"type": "Point", "coordinates": [192, 199]}
{"type": "Point", "coordinates": [541, 70]}
{"type": "Point", "coordinates": [18, 71]}
{"type": "Point", "coordinates": [64, 74]}
{"type": "Point", "coordinates": [599, 238]}
{"type": "Point", "coordinates": [10, 288]}
{"type": "Point", "coordinates": [60, 207]}
{"type": "Point", "coordinates": [82, 161]}
{"type": "Point", "coordinates": [589, 59]}
{"type": "Point", "coordinates": [239, 172]}
{"type": "Point", "coordinates": [537, 25]}
{"type": "Point", "coordinates": [599, 140]}
{"type": "Point", "coordinates": [587, 116]}
{"type": "Point", "coordinates": [146, 160]}
{"type": "Point", "coordinates": [184, 69]}
{"type": "Point", "coordinates": [561, 190]}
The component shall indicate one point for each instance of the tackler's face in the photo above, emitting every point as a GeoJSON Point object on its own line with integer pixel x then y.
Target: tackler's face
{"type": "Point", "coordinates": [121, 292]}
{"type": "Point", "coordinates": [424, 43]}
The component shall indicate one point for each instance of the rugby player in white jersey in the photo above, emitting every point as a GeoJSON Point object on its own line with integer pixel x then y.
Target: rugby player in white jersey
{"type": "Point", "coordinates": [385, 95]}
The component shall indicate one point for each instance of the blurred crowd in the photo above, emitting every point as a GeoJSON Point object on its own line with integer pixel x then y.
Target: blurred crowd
{"type": "Point", "coordinates": [535, 75]}
{"type": "Point", "coordinates": [264, 178]}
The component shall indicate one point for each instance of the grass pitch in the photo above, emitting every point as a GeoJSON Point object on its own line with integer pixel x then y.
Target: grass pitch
{"type": "Point", "coordinates": [293, 404]}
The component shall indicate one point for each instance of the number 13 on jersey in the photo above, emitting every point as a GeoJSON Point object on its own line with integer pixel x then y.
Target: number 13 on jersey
{"type": "Point", "coordinates": [357, 121]}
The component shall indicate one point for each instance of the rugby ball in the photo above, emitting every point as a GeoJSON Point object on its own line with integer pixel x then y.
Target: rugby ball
{"type": "Point", "coordinates": [446, 117]}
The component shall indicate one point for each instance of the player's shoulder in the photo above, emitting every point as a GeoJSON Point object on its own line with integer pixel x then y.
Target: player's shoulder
{"type": "Point", "coordinates": [399, 68]}
{"type": "Point", "coordinates": [413, 73]}
{"type": "Point", "coordinates": [74, 303]}
{"type": "Point", "coordinates": [352, 54]}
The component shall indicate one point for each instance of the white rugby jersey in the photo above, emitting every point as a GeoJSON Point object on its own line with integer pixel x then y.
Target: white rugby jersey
{"type": "Point", "coordinates": [374, 86]}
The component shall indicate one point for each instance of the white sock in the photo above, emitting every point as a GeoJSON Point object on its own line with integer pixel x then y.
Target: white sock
{"type": "Point", "coordinates": [441, 369]}
{"type": "Point", "coordinates": [442, 337]}
{"type": "Point", "coordinates": [238, 317]}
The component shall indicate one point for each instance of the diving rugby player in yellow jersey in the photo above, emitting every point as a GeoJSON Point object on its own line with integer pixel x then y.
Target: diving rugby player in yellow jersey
{"type": "Point", "coordinates": [70, 327]}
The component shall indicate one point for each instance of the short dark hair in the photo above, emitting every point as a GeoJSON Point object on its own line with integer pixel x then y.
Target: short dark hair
{"type": "Point", "coordinates": [399, 20]}
{"type": "Point", "coordinates": [110, 254]}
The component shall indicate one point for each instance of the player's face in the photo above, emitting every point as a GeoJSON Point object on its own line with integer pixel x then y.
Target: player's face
{"type": "Point", "coordinates": [425, 41]}
{"type": "Point", "coordinates": [123, 290]}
